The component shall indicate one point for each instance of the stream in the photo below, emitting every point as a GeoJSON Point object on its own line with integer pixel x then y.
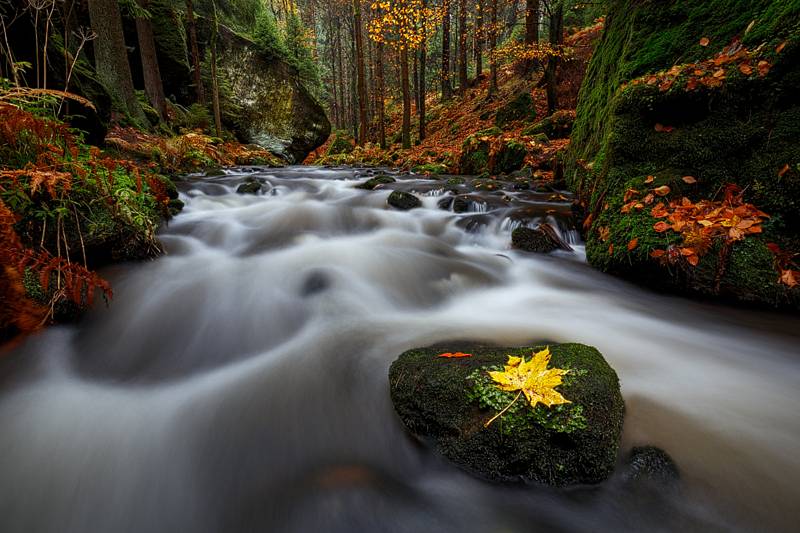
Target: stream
{"type": "Point", "coordinates": [239, 383]}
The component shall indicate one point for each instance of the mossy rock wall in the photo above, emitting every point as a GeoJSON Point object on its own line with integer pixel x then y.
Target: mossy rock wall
{"type": "Point", "coordinates": [438, 400]}
{"type": "Point", "coordinates": [743, 132]}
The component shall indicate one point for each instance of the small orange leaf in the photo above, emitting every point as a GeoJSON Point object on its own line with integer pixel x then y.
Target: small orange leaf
{"type": "Point", "coordinates": [704, 41]}
{"type": "Point", "coordinates": [650, 179]}
{"type": "Point", "coordinates": [690, 180]}
{"type": "Point", "coordinates": [783, 170]}
{"type": "Point", "coordinates": [456, 354]}
{"type": "Point", "coordinates": [656, 254]}
{"type": "Point", "coordinates": [763, 68]}
{"type": "Point", "coordinates": [610, 249]}
{"type": "Point", "coordinates": [662, 191]}
{"type": "Point", "coordinates": [663, 129]}
{"type": "Point", "coordinates": [661, 226]}
{"type": "Point", "coordinates": [745, 69]}
{"type": "Point", "coordinates": [790, 277]}
{"type": "Point", "coordinates": [780, 47]}
{"type": "Point", "coordinates": [633, 244]}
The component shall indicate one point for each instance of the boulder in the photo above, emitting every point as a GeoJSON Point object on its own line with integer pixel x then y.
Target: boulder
{"type": "Point", "coordinates": [251, 186]}
{"type": "Point", "coordinates": [375, 182]}
{"type": "Point", "coordinates": [651, 465]}
{"type": "Point", "coordinates": [543, 239]}
{"type": "Point", "coordinates": [446, 402]}
{"type": "Point", "coordinates": [520, 108]}
{"type": "Point", "coordinates": [403, 200]}
{"type": "Point", "coordinates": [342, 143]}
{"type": "Point", "coordinates": [556, 126]}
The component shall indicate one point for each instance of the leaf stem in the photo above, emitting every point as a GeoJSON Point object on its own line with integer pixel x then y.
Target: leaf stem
{"type": "Point", "coordinates": [506, 408]}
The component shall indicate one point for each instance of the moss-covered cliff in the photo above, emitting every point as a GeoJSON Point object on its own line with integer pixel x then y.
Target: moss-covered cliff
{"type": "Point", "coordinates": [708, 90]}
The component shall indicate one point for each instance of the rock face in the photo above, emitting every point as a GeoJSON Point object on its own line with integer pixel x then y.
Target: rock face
{"type": "Point", "coordinates": [446, 401]}
{"type": "Point", "coordinates": [477, 155]}
{"type": "Point", "coordinates": [737, 125]}
{"type": "Point", "coordinates": [276, 110]}
{"type": "Point", "coordinates": [520, 108]}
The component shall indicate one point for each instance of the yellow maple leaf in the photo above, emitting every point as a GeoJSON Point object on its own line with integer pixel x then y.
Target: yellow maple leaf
{"type": "Point", "coordinates": [532, 378]}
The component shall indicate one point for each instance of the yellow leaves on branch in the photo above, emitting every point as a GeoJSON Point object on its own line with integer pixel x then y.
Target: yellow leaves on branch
{"type": "Point", "coordinates": [403, 24]}
{"type": "Point", "coordinates": [531, 378]}
{"type": "Point", "coordinates": [516, 51]}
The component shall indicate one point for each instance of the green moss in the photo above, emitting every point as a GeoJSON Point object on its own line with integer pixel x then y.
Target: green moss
{"type": "Point", "coordinates": [430, 168]}
{"type": "Point", "coordinates": [520, 108]}
{"type": "Point", "coordinates": [342, 143]}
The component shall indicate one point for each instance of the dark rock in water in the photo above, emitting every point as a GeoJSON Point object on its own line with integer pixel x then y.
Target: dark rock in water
{"type": "Point", "coordinates": [542, 239]}
{"type": "Point", "coordinates": [445, 203]}
{"type": "Point", "coordinates": [447, 402]}
{"type": "Point", "coordinates": [175, 207]}
{"type": "Point", "coordinates": [249, 187]}
{"type": "Point", "coordinates": [403, 200]}
{"type": "Point", "coordinates": [375, 182]}
{"type": "Point", "coordinates": [651, 464]}
{"type": "Point", "coordinates": [461, 204]}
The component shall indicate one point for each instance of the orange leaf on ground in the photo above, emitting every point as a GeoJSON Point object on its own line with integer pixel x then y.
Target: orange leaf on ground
{"type": "Point", "coordinates": [763, 68]}
{"type": "Point", "coordinates": [662, 191]}
{"type": "Point", "coordinates": [780, 47]}
{"type": "Point", "coordinates": [783, 171]}
{"type": "Point", "coordinates": [650, 179]}
{"type": "Point", "coordinates": [633, 244]}
{"type": "Point", "coordinates": [663, 129]}
{"type": "Point", "coordinates": [691, 180]}
{"type": "Point", "coordinates": [745, 69]}
{"type": "Point", "coordinates": [704, 41]}
{"type": "Point", "coordinates": [456, 354]}
{"type": "Point", "coordinates": [790, 277]}
{"type": "Point", "coordinates": [661, 226]}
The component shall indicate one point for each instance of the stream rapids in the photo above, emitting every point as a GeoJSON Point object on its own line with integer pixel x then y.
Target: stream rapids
{"type": "Point", "coordinates": [239, 383]}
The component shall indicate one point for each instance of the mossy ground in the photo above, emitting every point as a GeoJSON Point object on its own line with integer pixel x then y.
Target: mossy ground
{"type": "Point", "coordinates": [440, 399]}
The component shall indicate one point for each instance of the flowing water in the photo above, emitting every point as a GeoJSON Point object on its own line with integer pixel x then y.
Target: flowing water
{"type": "Point", "coordinates": [240, 382]}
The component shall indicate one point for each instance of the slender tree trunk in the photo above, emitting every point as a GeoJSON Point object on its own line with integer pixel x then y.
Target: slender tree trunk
{"type": "Point", "coordinates": [381, 99]}
{"type": "Point", "coordinates": [214, 78]}
{"type": "Point", "coordinates": [493, 46]}
{"type": "Point", "coordinates": [423, 86]}
{"type": "Point", "coordinates": [192, 27]}
{"type": "Point", "coordinates": [153, 85]}
{"type": "Point", "coordinates": [406, 98]}
{"type": "Point", "coordinates": [479, 39]}
{"type": "Point", "coordinates": [462, 46]}
{"type": "Point", "coordinates": [531, 29]}
{"type": "Point", "coordinates": [111, 57]}
{"type": "Point", "coordinates": [362, 91]}
{"type": "Point", "coordinates": [415, 77]}
{"type": "Point", "coordinates": [556, 31]}
{"type": "Point", "coordinates": [342, 109]}
{"type": "Point", "coordinates": [334, 82]}
{"type": "Point", "coordinates": [447, 88]}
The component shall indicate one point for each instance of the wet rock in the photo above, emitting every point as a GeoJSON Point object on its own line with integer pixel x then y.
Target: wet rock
{"type": "Point", "coordinates": [403, 200]}
{"type": "Point", "coordinates": [543, 239]}
{"type": "Point", "coordinates": [342, 143]}
{"type": "Point", "coordinates": [556, 126]}
{"type": "Point", "coordinates": [374, 183]}
{"type": "Point", "coordinates": [249, 187]}
{"type": "Point", "coordinates": [652, 465]}
{"type": "Point", "coordinates": [444, 402]}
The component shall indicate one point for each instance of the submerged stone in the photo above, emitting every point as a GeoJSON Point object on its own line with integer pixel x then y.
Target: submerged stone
{"type": "Point", "coordinates": [374, 183]}
{"type": "Point", "coordinates": [249, 187]}
{"type": "Point", "coordinates": [447, 402]}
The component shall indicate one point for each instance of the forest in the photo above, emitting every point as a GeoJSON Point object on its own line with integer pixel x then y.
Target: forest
{"type": "Point", "coordinates": [305, 265]}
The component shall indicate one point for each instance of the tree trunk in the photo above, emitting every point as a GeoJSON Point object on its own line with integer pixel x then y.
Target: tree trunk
{"type": "Point", "coordinates": [447, 88]}
{"type": "Point", "coordinates": [111, 57]}
{"type": "Point", "coordinates": [531, 29]}
{"type": "Point", "coordinates": [362, 91]}
{"type": "Point", "coordinates": [423, 86]}
{"type": "Point", "coordinates": [462, 46]}
{"type": "Point", "coordinates": [381, 99]}
{"type": "Point", "coordinates": [150, 71]}
{"type": "Point", "coordinates": [406, 98]}
{"type": "Point", "coordinates": [479, 39]}
{"type": "Point", "coordinates": [556, 30]}
{"type": "Point", "coordinates": [493, 45]}
{"type": "Point", "coordinates": [214, 79]}
{"type": "Point", "coordinates": [192, 27]}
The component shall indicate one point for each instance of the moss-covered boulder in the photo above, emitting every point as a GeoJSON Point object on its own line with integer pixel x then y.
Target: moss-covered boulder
{"type": "Point", "coordinates": [510, 157]}
{"type": "Point", "coordinates": [403, 200]}
{"type": "Point", "coordinates": [475, 151]}
{"type": "Point", "coordinates": [556, 126]}
{"type": "Point", "coordinates": [657, 106]}
{"type": "Point", "coordinates": [520, 108]}
{"type": "Point", "coordinates": [448, 401]}
{"type": "Point", "coordinates": [374, 183]}
{"type": "Point", "coordinates": [542, 239]}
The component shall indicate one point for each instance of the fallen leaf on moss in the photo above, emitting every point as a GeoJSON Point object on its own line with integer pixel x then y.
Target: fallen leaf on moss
{"type": "Point", "coordinates": [662, 191]}
{"type": "Point", "coordinates": [633, 244]}
{"type": "Point", "coordinates": [690, 180]}
{"type": "Point", "coordinates": [704, 42]}
{"type": "Point", "coordinates": [790, 277]}
{"type": "Point", "coordinates": [780, 47]}
{"type": "Point", "coordinates": [456, 354]}
{"type": "Point", "coordinates": [783, 170]}
{"type": "Point", "coordinates": [650, 179]}
{"type": "Point", "coordinates": [532, 378]}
